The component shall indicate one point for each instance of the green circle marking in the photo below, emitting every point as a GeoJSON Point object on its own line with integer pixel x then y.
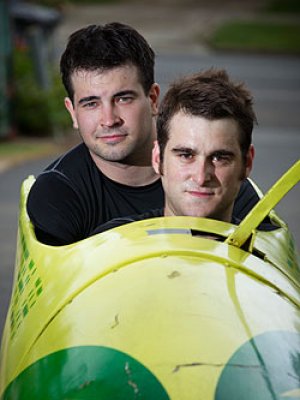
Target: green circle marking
{"type": "Point", "coordinates": [86, 372]}
{"type": "Point", "coordinates": [267, 367]}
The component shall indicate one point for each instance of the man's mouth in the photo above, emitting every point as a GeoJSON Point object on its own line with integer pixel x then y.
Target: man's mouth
{"type": "Point", "coordinates": [112, 137]}
{"type": "Point", "coordinates": [204, 194]}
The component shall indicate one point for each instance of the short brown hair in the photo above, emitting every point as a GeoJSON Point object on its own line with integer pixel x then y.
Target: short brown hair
{"type": "Point", "coordinates": [209, 94]}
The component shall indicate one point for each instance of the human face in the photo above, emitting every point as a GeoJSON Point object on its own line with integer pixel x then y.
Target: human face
{"type": "Point", "coordinates": [114, 116]}
{"type": "Point", "coordinates": [202, 166]}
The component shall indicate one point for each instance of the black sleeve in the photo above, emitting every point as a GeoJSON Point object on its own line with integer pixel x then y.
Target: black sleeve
{"type": "Point", "coordinates": [55, 209]}
{"type": "Point", "coordinates": [115, 222]}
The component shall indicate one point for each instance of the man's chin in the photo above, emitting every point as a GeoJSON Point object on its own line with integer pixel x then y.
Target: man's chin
{"type": "Point", "coordinates": [196, 213]}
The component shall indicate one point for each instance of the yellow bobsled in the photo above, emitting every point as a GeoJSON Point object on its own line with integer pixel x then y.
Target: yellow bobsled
{"type": "Point", "coordinates": [157, 309]}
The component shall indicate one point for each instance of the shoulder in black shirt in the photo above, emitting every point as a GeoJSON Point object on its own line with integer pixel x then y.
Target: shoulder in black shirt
{"type": "Point", "coordinates": [72, 197]}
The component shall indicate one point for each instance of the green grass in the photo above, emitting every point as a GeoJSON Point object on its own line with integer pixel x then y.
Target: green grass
{"type": "Point", "coordinates": [257, 36]}
{"type": "Point", "coordinates": [20, 147]}
{"type": "Point", "coordinates": [62, 3]}
{"type": "Point", "coordinates": [283, 6]}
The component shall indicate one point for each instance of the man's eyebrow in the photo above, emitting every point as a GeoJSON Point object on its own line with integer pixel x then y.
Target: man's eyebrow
{"type": "Point", "coordinates": [88, 98]}
{"type": "Point", "coordinates": [125, 93]}
{"type": "Point", "coordinates": [181, 149]}
{"type": "Point", "coordinates": [185, 149]}
{"type": "Point", "coordinates": [223, 152]}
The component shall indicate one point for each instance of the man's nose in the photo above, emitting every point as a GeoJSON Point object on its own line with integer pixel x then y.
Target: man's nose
{"type": "Point", "coordinates": [109, 116]}
{"type": "Point", "coordinates": [202, 172]}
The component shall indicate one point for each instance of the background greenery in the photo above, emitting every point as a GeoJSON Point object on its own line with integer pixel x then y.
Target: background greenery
{"type": "Point", "coordinates": [285, 6]}
{"type": "Point", "coordinates": [265, 33]}
{"type": "Point", "coordinates": [38, 112]}
{"type": "Point", "coordinates": [258, 36]}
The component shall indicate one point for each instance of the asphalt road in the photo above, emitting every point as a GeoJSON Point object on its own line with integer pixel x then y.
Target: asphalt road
{"type": "Point", "coordinates": [275, 83]}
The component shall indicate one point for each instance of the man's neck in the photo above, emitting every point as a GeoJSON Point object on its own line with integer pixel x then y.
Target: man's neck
{"type": "Point", "coordinates": [130, 175]}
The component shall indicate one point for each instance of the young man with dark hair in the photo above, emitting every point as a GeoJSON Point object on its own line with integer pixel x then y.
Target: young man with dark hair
{"type": "Point", "coordinates": [108, 72]}
{"type": "Point", "coordinates": [204, 145]}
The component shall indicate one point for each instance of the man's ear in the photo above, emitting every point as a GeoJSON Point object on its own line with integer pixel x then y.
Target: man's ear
{"type": "Point", "coordinates": [249, 160]}
{"type": "Point", "coordinates": [70, 108]}
{"type": "Point", "coordinates": [156, 157]}
{"type": "Point", "coordinates": [154, 98]}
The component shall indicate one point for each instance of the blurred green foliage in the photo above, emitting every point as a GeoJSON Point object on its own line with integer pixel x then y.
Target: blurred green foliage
{"type": "Point", "coordinates": [257, 36]}
{"type": "Point", "coordinates": [283, 6]}
{"type": "Point", "coordinates": [37, 112]}
{"type": "Point", "coordinates": [270, 5]}
{"type": "Point", "coordinates": [62, 3]}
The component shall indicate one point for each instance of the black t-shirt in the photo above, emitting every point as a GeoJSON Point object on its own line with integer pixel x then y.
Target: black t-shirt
{"type": "Point", "coordinates": [72, 197]}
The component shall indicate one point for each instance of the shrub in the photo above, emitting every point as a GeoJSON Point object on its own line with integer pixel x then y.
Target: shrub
{"type": "Point", "coordinates": [36, 111]}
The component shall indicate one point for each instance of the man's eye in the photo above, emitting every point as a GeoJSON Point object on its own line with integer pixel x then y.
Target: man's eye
{"type": "Point", "coordinates": [186, 156]}
{"type": "Point", "coordinates": [90, 104]}
{"type": "Point", "coordinates": [124, 99]}
{"type": "Point", "coordinates": [220, 157]}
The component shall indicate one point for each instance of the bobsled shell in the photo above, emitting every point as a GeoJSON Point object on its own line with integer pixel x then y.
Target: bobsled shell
{"type": "Point", "coordinates": [185, 338]}
{"type": "Point", "coordinates": [156, 296]}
